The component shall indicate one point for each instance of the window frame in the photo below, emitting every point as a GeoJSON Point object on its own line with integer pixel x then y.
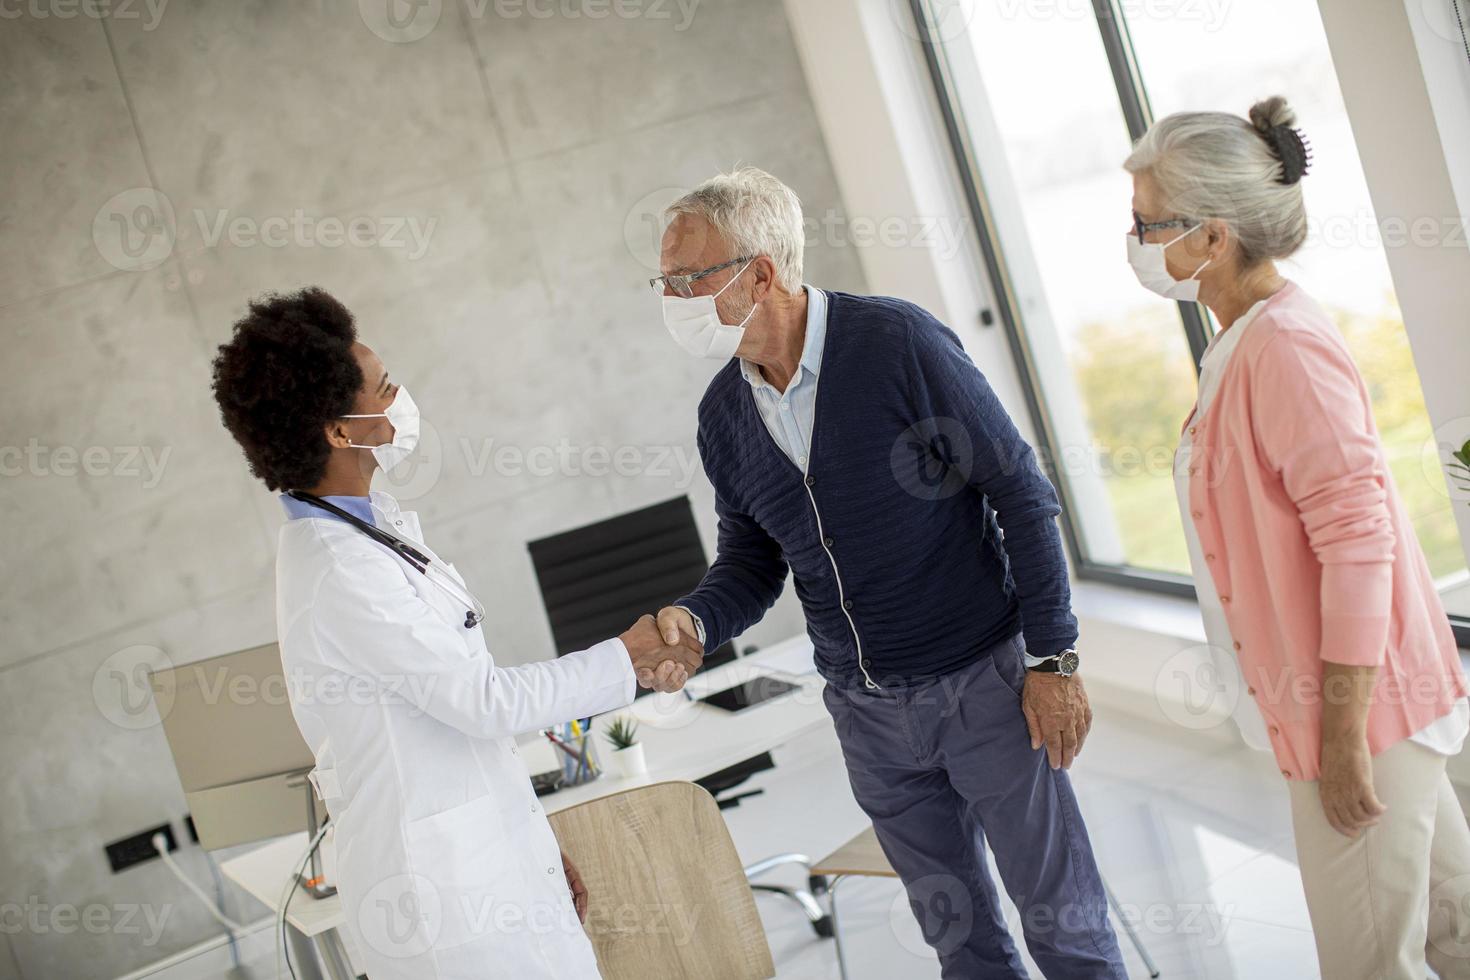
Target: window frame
{"type": "Point", "coordinates": [1194, 318]}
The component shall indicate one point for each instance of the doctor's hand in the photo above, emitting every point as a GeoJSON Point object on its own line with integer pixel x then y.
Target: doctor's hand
{"type": "Point", "coordinates": [660, 665]}
{"type": "Point", "coordinates": [576, 886]}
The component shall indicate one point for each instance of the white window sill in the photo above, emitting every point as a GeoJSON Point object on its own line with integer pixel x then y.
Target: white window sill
{"type": "Point", "coordinates": [1139, 609]}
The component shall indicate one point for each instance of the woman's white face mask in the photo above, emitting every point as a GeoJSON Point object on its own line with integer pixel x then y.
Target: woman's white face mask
{"type": "Point", "coordinates": [695, 325]}
{"type": "Point", "coordinates": [1149, 265]}
{"type": "Point", "coordinates": [403, 415]}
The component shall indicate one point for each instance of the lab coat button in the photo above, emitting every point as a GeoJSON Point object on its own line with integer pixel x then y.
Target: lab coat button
{"type": "Point", "coordinates": [551, 871]}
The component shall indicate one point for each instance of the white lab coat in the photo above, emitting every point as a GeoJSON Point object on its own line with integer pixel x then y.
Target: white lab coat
{"type": "Point", "coordinates": [446, 864]}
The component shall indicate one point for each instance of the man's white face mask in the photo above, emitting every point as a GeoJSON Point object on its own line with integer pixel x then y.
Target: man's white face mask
{"type": "Point", "coordinates": [403, 415]}
{"type": "Point", "coordinates": [695, 325]}
{"type": "Point", "coordinates": [1147, 259]}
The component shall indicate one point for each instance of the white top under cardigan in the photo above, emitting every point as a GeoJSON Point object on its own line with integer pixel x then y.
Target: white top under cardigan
{"type": "Point", "coordinates": [1445, 735]}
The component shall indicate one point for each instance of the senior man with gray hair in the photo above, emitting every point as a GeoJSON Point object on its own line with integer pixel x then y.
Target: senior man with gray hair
{"type": "Point", "coordinates": [948, 652]}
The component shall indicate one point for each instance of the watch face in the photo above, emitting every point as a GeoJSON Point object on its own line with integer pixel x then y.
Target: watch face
{"type": "Point", "coordinates": [1068, 663]}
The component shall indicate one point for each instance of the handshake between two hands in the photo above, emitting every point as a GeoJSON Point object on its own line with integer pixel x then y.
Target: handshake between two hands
{"type": "Point", "coordinates": [664, 651]}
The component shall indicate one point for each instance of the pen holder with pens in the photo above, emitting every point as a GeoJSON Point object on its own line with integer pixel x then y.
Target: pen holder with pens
{"type": "Point", "coordinates": [576, 752]}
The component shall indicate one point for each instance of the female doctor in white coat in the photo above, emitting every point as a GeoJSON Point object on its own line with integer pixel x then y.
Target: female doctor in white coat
{"type": "Point", "coordinates": [446, 864]}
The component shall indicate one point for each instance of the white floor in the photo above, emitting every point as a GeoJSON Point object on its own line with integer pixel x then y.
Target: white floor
{"type": "Point", "coordinates": [1192, 834]}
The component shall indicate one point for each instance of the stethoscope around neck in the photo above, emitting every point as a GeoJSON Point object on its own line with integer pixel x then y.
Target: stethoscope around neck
{"type": "Point", "coordinates": [420, 562]}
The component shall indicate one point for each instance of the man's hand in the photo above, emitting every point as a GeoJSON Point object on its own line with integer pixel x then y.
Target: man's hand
{"type": "Point", "coordinates": [672, 621]}
{"type": "Point", "coordinates": [1346, 784]}
{"type": "Point", "coordinates": [1057, 714]}
{"type": "Point", "coordinates": [660, 665]}
{"type": "Point", "coordinates": [575, 884]}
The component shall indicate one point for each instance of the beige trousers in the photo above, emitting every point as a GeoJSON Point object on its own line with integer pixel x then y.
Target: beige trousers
{"type": "Point", "coordinates": [1398, 894]}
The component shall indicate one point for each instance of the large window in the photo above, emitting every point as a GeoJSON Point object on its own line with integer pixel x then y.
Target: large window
{"type": "Point", "coordinates": [1044, 101]}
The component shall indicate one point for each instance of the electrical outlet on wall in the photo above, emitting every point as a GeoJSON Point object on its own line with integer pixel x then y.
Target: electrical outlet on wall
{"type": "Point", "coordinates": [125, 852]}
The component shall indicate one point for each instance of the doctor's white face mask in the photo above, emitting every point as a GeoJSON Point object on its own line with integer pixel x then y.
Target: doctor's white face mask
{"type": "Point", "coordinates": [1147, 259]}
{"type": "Point", "coordinates": [695, 325]}
{"type": "Point", "coordinates": [403, 415]}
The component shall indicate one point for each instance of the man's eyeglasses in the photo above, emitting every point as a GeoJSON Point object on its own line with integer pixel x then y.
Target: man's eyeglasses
{"type": "Point", "coordinates": [684, 285]}
{"type": "Point", "coordinates": [1141, 227]}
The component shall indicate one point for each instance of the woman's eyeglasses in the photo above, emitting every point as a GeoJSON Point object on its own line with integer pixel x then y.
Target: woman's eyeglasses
{"type": "Point", "coordinates": [1141, 227]}
{"type": "Point", "coordinates": [684, 285]}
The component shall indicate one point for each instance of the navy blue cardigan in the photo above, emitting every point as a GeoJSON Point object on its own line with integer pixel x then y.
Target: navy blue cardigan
{"type": "Point", "coordinates": [893, 534]}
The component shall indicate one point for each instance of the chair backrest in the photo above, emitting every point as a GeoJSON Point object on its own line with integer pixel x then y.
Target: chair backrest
{"type": "Point", "coordinates": [598, 579]}
{"type": "Point", "coordinates": [667, 895]}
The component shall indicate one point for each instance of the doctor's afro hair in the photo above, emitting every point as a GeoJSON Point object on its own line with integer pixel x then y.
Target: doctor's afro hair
{"type": "Point", "coordinates": [285, 373]}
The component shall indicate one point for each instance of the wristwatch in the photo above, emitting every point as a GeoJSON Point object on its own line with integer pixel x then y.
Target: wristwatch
{"type": "Point", "coordinates": [1064, 663]}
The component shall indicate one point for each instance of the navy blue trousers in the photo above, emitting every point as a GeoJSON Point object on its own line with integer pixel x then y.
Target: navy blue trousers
{"type": "Point", "coordinates": [942, 765]}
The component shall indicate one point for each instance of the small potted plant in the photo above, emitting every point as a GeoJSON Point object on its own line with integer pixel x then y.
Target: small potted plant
{"type": "Point", "coordinates": [1460, 468]}
{"type": "Point", "coordinates": [628, 761]}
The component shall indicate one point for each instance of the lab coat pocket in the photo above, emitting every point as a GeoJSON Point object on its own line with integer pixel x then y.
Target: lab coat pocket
{"type": "Point", "coordinates": [467, 855]}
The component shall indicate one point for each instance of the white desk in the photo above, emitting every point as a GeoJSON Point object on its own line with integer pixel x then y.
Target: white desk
{"type": "Point", "coordinates": [683, 740]}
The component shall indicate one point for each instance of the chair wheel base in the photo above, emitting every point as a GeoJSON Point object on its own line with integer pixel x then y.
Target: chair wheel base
{"type": "Point", "coordinates": [823, 927]}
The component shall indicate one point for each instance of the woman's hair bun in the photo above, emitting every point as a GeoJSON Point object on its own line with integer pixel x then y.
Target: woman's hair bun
{"type": "Point", "coordinates": [1275, 121]}
{"type": "Point", "coordinates": [1267, 114]}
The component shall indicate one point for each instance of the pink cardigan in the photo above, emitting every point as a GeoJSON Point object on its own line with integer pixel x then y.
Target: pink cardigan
{"type": "Point", "coordinates": [1307, 541]}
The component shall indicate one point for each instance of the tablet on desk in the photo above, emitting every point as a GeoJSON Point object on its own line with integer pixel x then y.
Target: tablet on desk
{"type": "Point", "coordinates": [751, 693]}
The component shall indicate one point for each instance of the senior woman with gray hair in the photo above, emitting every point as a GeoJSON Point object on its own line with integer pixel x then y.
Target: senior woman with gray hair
{"type": "Point", "coordinates": [1304, 559]}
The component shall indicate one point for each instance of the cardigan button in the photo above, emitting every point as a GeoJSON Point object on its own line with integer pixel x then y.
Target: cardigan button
{"type": "Point", "coordinates": [1237, 646]}
{"type": "Point", "coordinates": [1225, 600]}
{"type": "Point", "coordinates": [1191, 429]}
{"type": "Point", "coordinates": [827, 541]}
{"type": "Point", "coordinates": [1286, 773]}
{"type": "Point", "coordinates": [811, 481]}
{"type": "Point", "coordinates": [1209, 557]}
{"type": "Point", "coordinates": [1251, 691]}
{"type": "Point", "coordinates": [1197, 514]}
{"type": "Point", "coordinates": [867, 662]}
{"type": "Point", "coordinates": [846, 603]}
{"type": "Point", "coordinates": [1274, 730]}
